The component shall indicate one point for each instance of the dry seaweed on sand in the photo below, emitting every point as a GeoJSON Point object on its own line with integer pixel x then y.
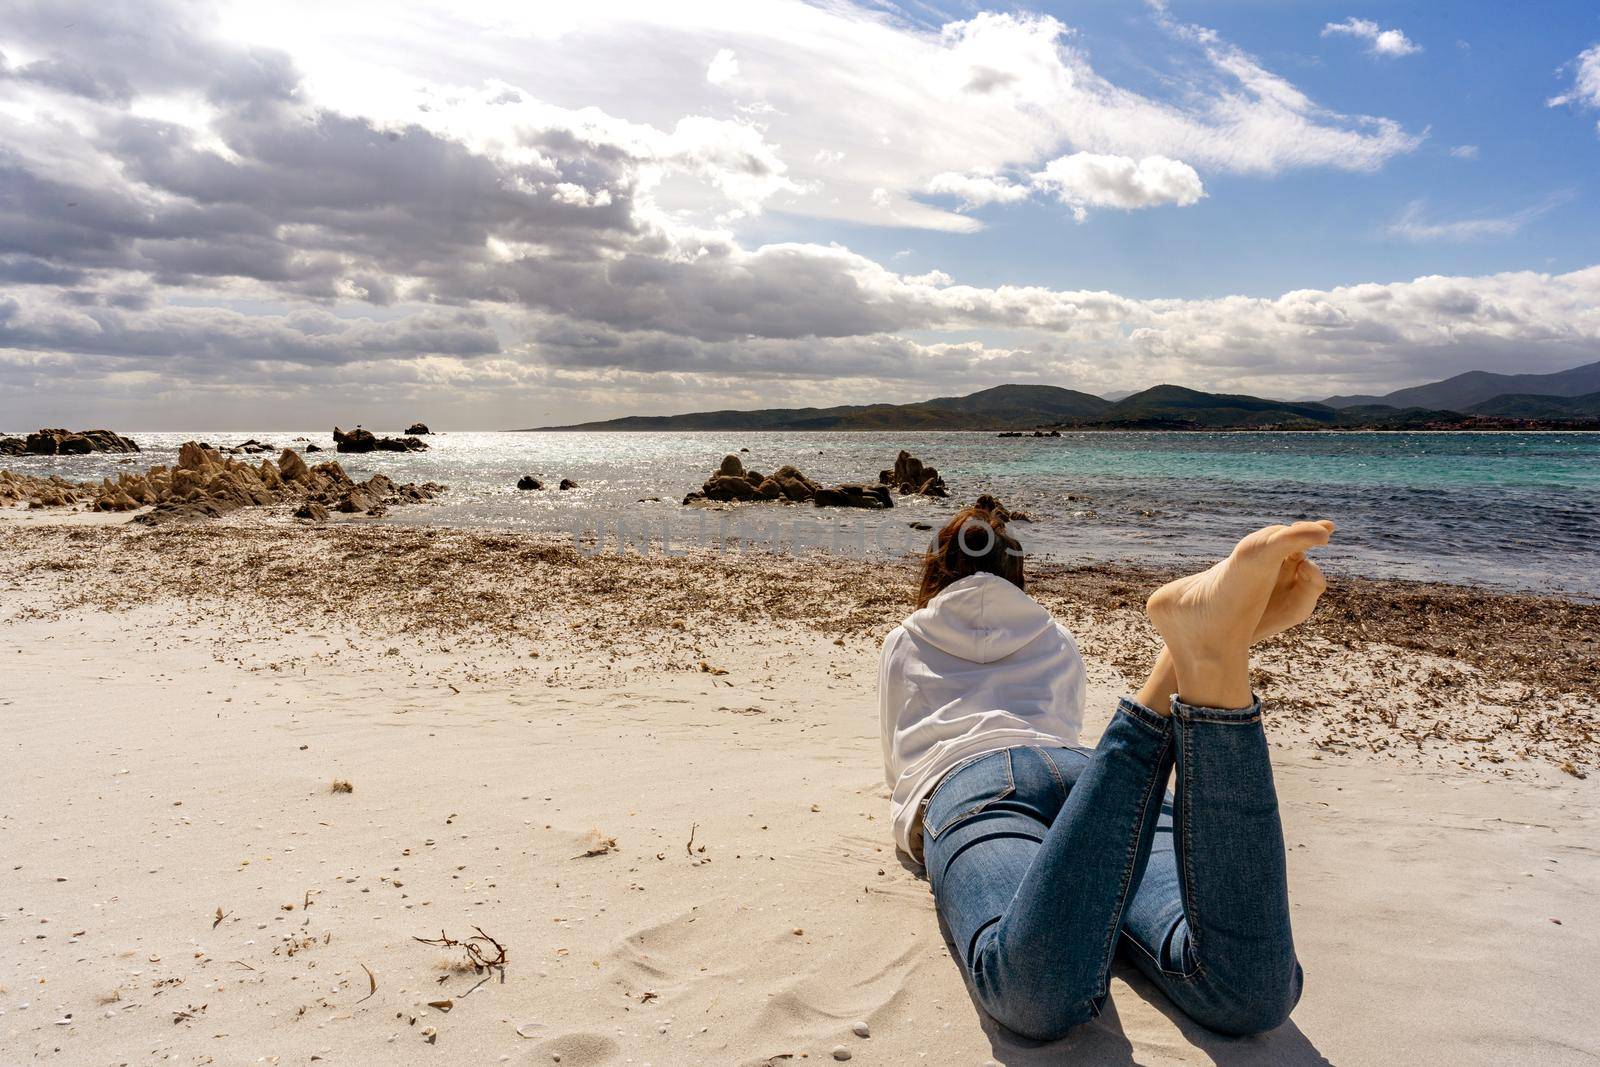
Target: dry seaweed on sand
{"type": "Point", "coordinates": [481, 950]}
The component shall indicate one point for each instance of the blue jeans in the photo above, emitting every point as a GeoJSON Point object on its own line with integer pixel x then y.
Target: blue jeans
{"type": "Point", "coordinates": [1044, 861]}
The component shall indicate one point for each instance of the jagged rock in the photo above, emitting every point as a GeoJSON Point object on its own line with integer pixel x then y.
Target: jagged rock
{"type": "Point", "coordinates": [291, 468]}
{"type": "Point", "coordinates": [528, 481]}
{"type": "Point", "coordinates": [12, 446]}
{"type": "Point", "coordinates": [359, 440]}
{"type": "Point", "coordinates": [418, 427]}
{"type": "Point", "coordinates": [313, 511]}
{"type": "Point", "coordinates": [80, 443]}
{"type": "Point", "coordinates": [568, 483]}
{"type": "Point", "coordinates": [911, 475]}
{"type": "Point", "coordinates": [354, 500]}
{"type": "Point", "coordinates": [251, 447]}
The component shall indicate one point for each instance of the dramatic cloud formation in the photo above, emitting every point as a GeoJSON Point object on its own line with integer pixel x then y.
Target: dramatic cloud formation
{"type": "Point", "coordinates": [1380, 42]}
{"type": "Point", "coordinates": [527, 217]}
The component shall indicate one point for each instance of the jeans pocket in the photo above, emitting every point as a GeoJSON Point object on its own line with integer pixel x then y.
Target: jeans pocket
{"type": "Point", "coordinates": [967, 790]}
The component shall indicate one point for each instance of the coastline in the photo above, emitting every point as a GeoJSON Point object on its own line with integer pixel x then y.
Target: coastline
{"type": "Point", "coordinates": [181, 698]}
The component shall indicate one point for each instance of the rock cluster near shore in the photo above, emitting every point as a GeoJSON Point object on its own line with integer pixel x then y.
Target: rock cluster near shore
{"type": "Point", "coordinates": [206, 484]}
{"type": "Point", "coordinates": [732, 482]}
{"type": "Point", "coordinates": [359, 440]}
{"type": "Point", "coordinates": [66, 443]}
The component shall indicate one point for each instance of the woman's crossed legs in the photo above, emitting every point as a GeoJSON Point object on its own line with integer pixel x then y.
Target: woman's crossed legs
{"type": "Point", "coordinates": [1044, 860]}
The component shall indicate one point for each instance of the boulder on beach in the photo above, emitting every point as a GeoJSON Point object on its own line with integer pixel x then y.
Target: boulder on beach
{"type": "Point", "coordinates": [528, 481]}
{"type": "Point", "coordinates": [359, 440]}
{"type": "Point", "coordinates": [313, 511]}
{"type": "Point", "coordinates": [418, 428]}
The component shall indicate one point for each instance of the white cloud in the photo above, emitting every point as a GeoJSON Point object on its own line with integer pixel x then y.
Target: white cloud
{"type": "Point", "coordinates": [1415, 224]}
{"type": "Point", "coordinates": [1585, 91]}
{"type": "Point", "coordinates": [1380, 42]}
{"type": "Point", "coordinates": [1084, 179]}
{"type": "Point", "coordinates": [1465, 151]}
{"type": "Point", "coordinates": [976, 190]}
{"type": "Point", "coordinates": [724, 67]}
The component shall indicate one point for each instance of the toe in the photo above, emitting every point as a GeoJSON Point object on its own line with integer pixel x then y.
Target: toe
{"type": "Point", "coordinates": [1301, 536]}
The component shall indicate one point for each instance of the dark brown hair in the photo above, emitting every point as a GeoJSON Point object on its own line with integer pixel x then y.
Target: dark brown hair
{"type": "Point", "coordinates": [974, 541]}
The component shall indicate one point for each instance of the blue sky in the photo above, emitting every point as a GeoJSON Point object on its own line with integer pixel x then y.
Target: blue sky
{"type": "Point", "coordinates": [1482, 78]}
{"type": "Point", "coordinates": [495, 213]}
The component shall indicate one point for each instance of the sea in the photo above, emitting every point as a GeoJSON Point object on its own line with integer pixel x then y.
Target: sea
{"type": "Point", "coordinates": [1516, 511]}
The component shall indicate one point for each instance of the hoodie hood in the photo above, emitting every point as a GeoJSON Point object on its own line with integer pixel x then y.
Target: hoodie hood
{"type": "Point", "coordinates": [981, 618]}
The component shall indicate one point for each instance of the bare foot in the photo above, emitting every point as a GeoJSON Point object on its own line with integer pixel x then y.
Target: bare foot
{"type": "Point", "coordinates": [1209, 619]}
{"type": "Point", "coordinates": [1294, 596]}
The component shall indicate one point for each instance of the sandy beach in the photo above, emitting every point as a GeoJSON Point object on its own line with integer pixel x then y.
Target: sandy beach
{"type": "Point", "coordinates": [656, 784]}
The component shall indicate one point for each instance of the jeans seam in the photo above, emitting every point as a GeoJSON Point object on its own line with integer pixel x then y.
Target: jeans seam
{"type": "Point", "coordinates": [1191, 908]}
{"type": "Point", "coordinates": [1011, 787]}
{"type": "Point", "coordinates": [1108, 948]}
{"type": "Point", "coordinates": [1055, 772]}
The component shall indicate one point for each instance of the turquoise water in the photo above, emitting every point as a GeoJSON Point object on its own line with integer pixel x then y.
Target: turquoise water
{"type": "Point", "coordinates": [1506, 510]}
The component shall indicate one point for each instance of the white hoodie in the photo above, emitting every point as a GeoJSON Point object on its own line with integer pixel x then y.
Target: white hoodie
{"type": "Point", "coordinates": [983, 667]}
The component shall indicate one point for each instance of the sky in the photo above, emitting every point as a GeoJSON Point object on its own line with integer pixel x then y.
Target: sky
{"type": "Point", "coordinates": [489, 215]}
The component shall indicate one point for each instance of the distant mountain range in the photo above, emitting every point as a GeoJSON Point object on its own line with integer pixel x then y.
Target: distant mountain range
{"type": "Point", "coordinates": [1475, 400]}
{"type": "Point", "coordinates": [1476, 387]}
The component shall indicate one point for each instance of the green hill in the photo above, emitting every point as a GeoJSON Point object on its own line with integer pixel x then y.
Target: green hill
{"type": "Point", "coordinates": [1004, 407]}
{"type": "Point", "coordinates": [1174, 407]}
{"type": "Point", "coordinates": [1535, 406]}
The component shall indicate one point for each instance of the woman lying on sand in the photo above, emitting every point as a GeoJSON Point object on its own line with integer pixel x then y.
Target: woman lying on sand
{"type": "Point", "coordinates": [1045, 857]}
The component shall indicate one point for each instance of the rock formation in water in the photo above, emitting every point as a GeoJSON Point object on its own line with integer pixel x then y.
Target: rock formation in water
{"type": "Point", "coordinates": [528, 481]}
{"type": "Point", "coordinates": [732, 482]}
{"type": "Point", "coordinates": [359, 440]}
{"type": "Point", "coordinates": [66, 443]}
{"type": "Point", "coordinates": [567, 483]}
{"type": "Point", "coordinates": [911, 475]}
{"type": "Point", "coordinates": [419, 428]}
{"type": "Point", "coordinates": [205, 484]}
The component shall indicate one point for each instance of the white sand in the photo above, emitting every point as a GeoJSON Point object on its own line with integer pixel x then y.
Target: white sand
{"type": "Point", "coordinates": [164, 763]}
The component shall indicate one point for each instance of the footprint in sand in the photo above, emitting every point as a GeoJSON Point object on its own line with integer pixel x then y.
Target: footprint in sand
{"type": "Point", "coordinates": [579, 1049]}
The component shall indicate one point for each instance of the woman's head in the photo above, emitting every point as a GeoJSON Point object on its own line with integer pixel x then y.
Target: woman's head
{"type": "Point", "coordinates": [974, 541]}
